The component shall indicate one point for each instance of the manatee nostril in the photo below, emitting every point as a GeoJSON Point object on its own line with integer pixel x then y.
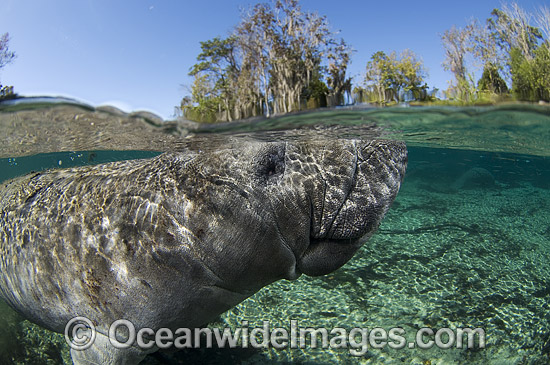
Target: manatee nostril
{"type": "Point", "coordinates": [271, 163]}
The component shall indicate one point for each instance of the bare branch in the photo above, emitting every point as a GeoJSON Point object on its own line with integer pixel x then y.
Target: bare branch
{"type": "Point", "coordinates": [543, 21]}
{"type": "Point", "coordinates": [6, 56]}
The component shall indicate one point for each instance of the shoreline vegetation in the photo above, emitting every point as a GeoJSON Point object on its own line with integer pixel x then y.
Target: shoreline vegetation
{"type": "Point", "coordinates": [281, 59]}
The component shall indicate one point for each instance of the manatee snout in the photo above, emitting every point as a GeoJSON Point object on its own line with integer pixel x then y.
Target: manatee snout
{"type": "Point", "coordinates": [379, 170]}
{"type": "Point", "coordinates": [354, 201]}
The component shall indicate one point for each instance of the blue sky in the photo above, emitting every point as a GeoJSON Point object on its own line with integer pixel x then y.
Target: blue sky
{"type": "Point", "coordinates": [136, 54]}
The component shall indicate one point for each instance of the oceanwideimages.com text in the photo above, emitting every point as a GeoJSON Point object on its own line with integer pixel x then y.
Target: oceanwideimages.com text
{"type": "Point", "coordinates": [80, 333]}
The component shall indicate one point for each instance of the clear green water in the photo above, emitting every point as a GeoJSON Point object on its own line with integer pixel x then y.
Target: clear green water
{"type": "Point", "coordinates": [452, 251]}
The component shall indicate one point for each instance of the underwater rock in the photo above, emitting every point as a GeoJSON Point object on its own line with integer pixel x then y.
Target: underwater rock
{"type": "Point", "coordinates": [175, 240]}
{"type": "Point", "coordinates": [476, 177]}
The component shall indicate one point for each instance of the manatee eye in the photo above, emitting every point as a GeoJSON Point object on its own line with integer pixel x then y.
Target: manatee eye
{"type": "Point", "coordinates": [271, 163]}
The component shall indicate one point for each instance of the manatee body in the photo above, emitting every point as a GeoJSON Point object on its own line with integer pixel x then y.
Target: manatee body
{"type": "Point", "coordinates": [476, 177]}
{"type": "Point", "coordinates": [175, 240]}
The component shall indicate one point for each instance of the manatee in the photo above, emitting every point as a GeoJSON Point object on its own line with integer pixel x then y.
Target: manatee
{"type": "Point", "coordinates": [175, 240]}
{"type": "Point", "coordinates": [476, 177]}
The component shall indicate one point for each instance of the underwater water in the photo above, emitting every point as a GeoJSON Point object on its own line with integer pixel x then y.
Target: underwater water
{"type": "Point", "coordinates": [466, 243]}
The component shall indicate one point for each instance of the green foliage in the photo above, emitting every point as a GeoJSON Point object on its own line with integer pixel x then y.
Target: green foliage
{"type": "Point", "coordinates": [464, 91]}
{"type": "Point", "coordinates": [216, 55]}
{"type": "Point", "coordinates": [491, 80]}
{"type": "Point", "coordinates": [542, 71]}
{"type": "Point", "coordinates": [316, 92]}
{"type": "Point", "coordinates": [205, 102]}
{"type": "Point", "coordinates": [392, 77]}
{"type": "Point", "coordinates": [212, 94]}
{"type": "Point", "coordinates": [6, 92]}
{"type": "Point", "coordinates": [531, 77]}
{"type": "Point", "coordinates": [380, 70]}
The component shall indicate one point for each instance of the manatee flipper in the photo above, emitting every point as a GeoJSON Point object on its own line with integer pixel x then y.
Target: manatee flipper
{"type": "Point", "coordinates": [102, 352]}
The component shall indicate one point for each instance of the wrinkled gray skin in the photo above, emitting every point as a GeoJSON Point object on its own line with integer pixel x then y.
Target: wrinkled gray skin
{"type": "Point", "coordinates": [175, 240]}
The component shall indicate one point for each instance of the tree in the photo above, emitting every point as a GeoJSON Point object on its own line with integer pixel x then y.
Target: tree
{"type": "Point", "coordinates": [543, 21]}
{"type": "Point", "coordinates": [491, 80]}
{"type": "Point", "coordinates": [255, 36]}
{"type": "Point", "coordinates": [316, 92]}
{"type": "Point", "coordinates": [380, 70]}
{"type": "Point", "coordinates": [512, 30]}
{"type": "Point", "coordinates": [300, 43]}
{"type": "Point", "coordinates": [215, 76]}
{"type": "Point", "coordinates": [391, 77]}
{"type": "Point", "coordinates": [542, 67]}
{"type": "Point", "coordinates": [456, 42]}
{"type": "Point", "coordinates": [527, 50]}
{"type": "Point", "coordinates": [410, 75]}
{"type": "Point", "coordinates": [474, 47]}
{"type": "Point", "coordinates": [204, 104]}
{"type": "Point", "coordinates": [489, 57]}
{"type": "Point", "coordinates": [337, 82]}
{"type": "Point", "coordinates": [6, 57]}
{"type": "Point", "coordinates": [531, 78]}
{"type": "Point", "coordinates": [542, 54]}
{"type": "Point", "coordinates": [276, 57]}
{"type": "Point", "coordinates": [508, 45]}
